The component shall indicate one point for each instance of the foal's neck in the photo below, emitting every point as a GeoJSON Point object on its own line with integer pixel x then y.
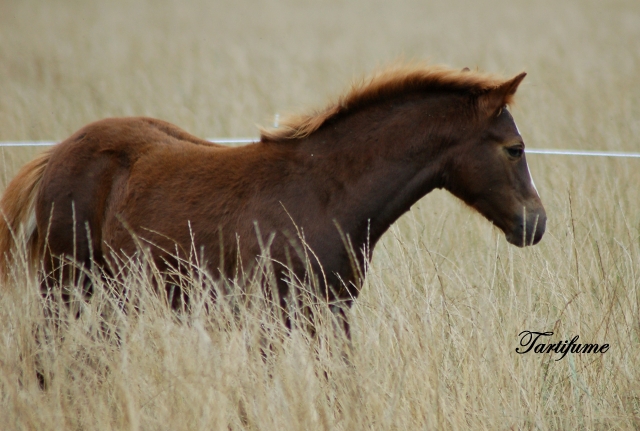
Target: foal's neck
{"type": "Point", "coordinates": [386, 158]}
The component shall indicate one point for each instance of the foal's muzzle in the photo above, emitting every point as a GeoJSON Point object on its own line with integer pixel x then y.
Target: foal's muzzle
{"type": "Point", "coordinates": [528, 230]}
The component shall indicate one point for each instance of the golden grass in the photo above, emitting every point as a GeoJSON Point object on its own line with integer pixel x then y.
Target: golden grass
{"type": "Point", "coordinates": [436, 327]}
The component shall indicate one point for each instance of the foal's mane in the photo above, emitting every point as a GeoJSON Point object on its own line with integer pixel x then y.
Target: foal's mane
{"type": "Point", "coordinates": [383, 85]}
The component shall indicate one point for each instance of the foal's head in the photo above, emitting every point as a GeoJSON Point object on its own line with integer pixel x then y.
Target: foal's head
{"type": "Point", "coordinates": [490, 171]}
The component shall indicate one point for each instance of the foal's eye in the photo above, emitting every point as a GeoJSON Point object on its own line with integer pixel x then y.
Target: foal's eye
{"type": "Point", "coordinates": [515, 152]}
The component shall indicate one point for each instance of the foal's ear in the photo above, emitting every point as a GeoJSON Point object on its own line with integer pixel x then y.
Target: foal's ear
{"type": "Point", "coordinates": [501, 95]}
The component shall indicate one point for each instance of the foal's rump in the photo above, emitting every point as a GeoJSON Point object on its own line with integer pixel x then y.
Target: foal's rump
{"type": "Point", "coordinates": [66, 202]}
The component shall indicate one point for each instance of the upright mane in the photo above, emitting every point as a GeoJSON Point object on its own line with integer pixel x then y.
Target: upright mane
{"type": "Point", "coordinates": [383, 85]}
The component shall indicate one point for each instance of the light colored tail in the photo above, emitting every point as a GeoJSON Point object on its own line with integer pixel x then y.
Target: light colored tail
{"type": "Point", "coordinates": [18, 218]}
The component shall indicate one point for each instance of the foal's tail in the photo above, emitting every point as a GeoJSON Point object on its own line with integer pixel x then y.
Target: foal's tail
{"type": "Point", "coordinates": [18, 217]}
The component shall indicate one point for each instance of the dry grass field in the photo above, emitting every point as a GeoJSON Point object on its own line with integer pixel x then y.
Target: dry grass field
{"type": "Point", "coordinates": [436, 327]}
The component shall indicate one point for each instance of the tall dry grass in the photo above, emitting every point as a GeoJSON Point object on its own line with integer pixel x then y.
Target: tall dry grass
{"type": "Point", "coordinates": [436, 326]}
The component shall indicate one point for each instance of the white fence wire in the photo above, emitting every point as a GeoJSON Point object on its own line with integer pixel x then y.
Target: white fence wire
{"type": "Point", "coordinates": [239, 141]}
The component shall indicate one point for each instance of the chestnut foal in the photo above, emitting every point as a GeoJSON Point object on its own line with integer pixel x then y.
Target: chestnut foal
{"type": "Point", "coordinates": [330, 184]}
